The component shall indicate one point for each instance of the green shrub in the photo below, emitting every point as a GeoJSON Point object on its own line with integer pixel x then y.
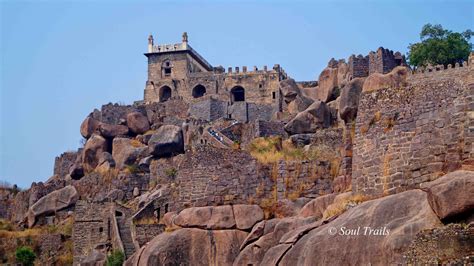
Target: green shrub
{"type": "Point", "coordinates": [171, 172]}
{"type": "Point", "coordinates": [25, 256]}
{"type": "Point", "coordinates": [116, 258]}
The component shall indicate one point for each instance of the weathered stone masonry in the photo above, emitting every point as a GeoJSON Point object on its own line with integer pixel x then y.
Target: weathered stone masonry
{"type": "Point", "coordinates": [410, 135]}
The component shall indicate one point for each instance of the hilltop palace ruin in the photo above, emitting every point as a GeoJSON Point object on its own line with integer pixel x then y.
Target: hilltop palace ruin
{"type": "Point", "coordinates": [178, 71]}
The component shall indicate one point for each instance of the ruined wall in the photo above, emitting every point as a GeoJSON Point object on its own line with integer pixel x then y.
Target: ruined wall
{"type": "Point", "coordinates": [92, 228]}
{"type": "Point", "coordinates": [146, 232]}
{"type": "Point", "coordinates": [208, 109]}
{"type": "Point", "coordinates": [410, 135]}
{"type": "Point", "coordinates": [63, 163]}
{"type": "Point", "coordinates": [358, 66]}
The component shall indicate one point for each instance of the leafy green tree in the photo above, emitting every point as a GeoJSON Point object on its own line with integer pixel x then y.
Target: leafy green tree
{"type": "Point", "coordinates": [440, 46]}
{"type": "Point", "coordinates": [25, 256]}
{"type": "Point", "coordinates": [116, 258]}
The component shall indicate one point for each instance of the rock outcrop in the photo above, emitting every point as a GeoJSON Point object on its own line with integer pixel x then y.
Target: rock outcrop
{"type": "Point", "coordinates": [137, 122]}
{"type": "Point", "coordinates": [315, 117]}
{"type": "Point", "coordinates": [52, 202]}
{"type": "Point", "coordinates": [394, 79]}
{"type": "Point", "coordinates": [167, 140]}
{"type": "Point", "coordinates": [349, 100]}
{"type": "Point", "coordinates": [374, 232]}
{"type": "Point", "coordinates": [220, 217]}
{"type": "Point", "coordinates": [452, 194]}
{"type": "Point", "coordinates": [190, 246]}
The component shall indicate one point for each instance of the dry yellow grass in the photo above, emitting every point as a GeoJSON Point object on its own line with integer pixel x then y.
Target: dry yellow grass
{"type": "Point", "coordinates": [273, 149]}
{"type": "Point", "coordinates": [136, 143]}
{"type": "Point", "coordinates": [339, 207]}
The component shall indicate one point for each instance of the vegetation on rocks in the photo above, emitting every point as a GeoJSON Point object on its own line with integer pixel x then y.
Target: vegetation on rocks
{"type": "Point", "coordinates": [25, 256]}
{"type": "Point", "coordinates": [116, 258]}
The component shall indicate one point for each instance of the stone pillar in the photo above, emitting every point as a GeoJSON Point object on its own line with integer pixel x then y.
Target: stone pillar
{"type": "Point", "coordinates": [150, 43]}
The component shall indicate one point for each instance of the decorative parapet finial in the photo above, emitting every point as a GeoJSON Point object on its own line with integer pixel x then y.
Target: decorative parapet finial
{"type": "Point", "coordinates": [185, 37]}
{"type": "Point", "coordinates": [150, 43]}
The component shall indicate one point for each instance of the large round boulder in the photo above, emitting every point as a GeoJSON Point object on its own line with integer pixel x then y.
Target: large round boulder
{"type": "Point", "coordinates": [54, 201]}
{"type": "Point", "coordinates": [315, 117]}
{"type": "Point", "coordinates": [395, 79]}
{"type": "Point", "coordinates": [137, 122]}
{"type": "Point", "coordinates": [376, 232]}
{"type": "Point", "coordinates": [166, 141]}
{"type": "Point", "coordinates": [327, 84]}
{"type": "Point", "coordinates": [289, 89]}
{"type": "Point", "coordinates": [452, 194]}
{"type": "Point", "coordinates": [112, 131]}
{"type": "Point", "coordinates": [190, 246]}
{"type": "Point", "coordinates": [126, 151]}
{"type": "Point", "coordinates": [349, 100]}
{"type": "Point", "coordinates": [93, 150]}
{"type": "Point", "coordinates": [89, 126]}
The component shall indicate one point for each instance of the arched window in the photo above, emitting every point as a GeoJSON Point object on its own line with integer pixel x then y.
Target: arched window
{"type": "Point", "coordinates": [166, 68]}
{"type": "Point", "coordinates": [237, 94]}
{"type": "Point", "coordinates": [199, 91]}
{"type": "Point", "coordinates": [165, 93]}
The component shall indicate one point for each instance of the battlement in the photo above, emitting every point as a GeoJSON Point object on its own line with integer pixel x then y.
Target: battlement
{"type": "Point", "coordinates": [430, 69]}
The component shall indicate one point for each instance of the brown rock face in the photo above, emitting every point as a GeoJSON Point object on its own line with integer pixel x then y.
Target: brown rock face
{"type": "Point", "coordinates": [247, 215]}
{"type": "Point", "coordinates": [394, 79]}
{"type": "Point", "coordinates": [137, 122]}
{"type": "Point", "coordinates": [89, 126]}
{"type": "Point", "coordinates": [327, 84]}
{"type": "Point", "coordinates": [397, 218]}
{"type": "Point", "coordinates": [299, 104]}
{"type": "Point", "coordinates": [349, 101]}
{"type": "Point", "coordinates": [93, 150]}
{"type": "Point", "coordinates": [190, 246]}
{"type": "Point", "coordinates": [112, 131]}
{"type": "Point", "coordinates": [316, 116]}
{"type": "Point", "coordinates": [452, 194]}
{"type": "Point", "coordinates": [317, 206]}
{"type": "Point", "coordinates": [167, 140]}
{"type": "Point", "coordinates": [289, 89]}
{"type": "Point", "coordinates": [52, 202]}
{"type": "Point", "coordinates": [124, 153]}
{"type": "Point", "coordinates": [220, 217]}
{"type": "Point", "coordinates": [253, 252]}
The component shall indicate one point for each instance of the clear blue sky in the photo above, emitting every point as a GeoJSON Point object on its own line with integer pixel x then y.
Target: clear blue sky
{"type": "Point", "coordinates": [60, 60]}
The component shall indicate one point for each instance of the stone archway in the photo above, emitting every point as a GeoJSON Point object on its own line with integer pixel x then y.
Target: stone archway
{"type": "Point", "coordinates": [237, 94]}
{"type": "Point", "coordinates": [164, 93]}
{"type": "Point", "coordinates": [199, 91]}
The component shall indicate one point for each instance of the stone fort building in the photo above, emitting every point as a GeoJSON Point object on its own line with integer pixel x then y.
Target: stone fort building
{"type": "Point", "coordinates": [177, 71]}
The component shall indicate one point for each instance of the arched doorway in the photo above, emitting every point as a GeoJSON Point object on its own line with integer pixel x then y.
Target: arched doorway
{"type": "Point", "coordinates": [237, 94]}
{"type": "Point", "coordinates": [165, 93]}
{"type": "Point", "coordinates": [199, 91]}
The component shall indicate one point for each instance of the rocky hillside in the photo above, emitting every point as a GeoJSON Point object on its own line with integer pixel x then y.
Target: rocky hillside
{"type": "Point", "coordinates": [372, 170]}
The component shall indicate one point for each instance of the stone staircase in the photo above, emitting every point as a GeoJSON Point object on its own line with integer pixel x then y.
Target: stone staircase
{"type": "Point", "coordinates": [126, 236]}
{"type": "Point", "coordinates": [219, 139]}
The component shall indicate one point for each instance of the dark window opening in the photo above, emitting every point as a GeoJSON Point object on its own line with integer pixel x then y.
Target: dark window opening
{"type": "Point", "coordinates": [237, 94]}
{"type": "Point", "coordinates": [118, 214]}
{"type": "Point", "coordinates": [165, 93]}
{"type": "Point", "coordinates": [157, 212]}
{"type": "Point", "coordinates": [230, 116]}
{"type": "Point", "coordinates": [273, 95]}
{"type": "Point", "coordinates": [167, 71]}
{"type": "Point", "coordinates": [101, 229]}
{"type": "Point", "coordinates": [260, 86]}
{"type": "Point", "coordinates": [166, 207]}
{"type": "Point", "coordinates": [199, 91]}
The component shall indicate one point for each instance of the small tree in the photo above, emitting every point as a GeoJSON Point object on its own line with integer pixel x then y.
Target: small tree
{"type": "Point", "coordinates": [440, 46]}
{"type": "Point", "coordinates": [25, 256]}
{"type": "Point", "coordinates": [116, 258]}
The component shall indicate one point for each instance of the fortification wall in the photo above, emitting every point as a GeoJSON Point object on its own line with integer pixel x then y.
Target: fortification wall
{"type": "Point", "coordinates": [92, 227]}
{"type": "Point", "coordinates": [410, 135]}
